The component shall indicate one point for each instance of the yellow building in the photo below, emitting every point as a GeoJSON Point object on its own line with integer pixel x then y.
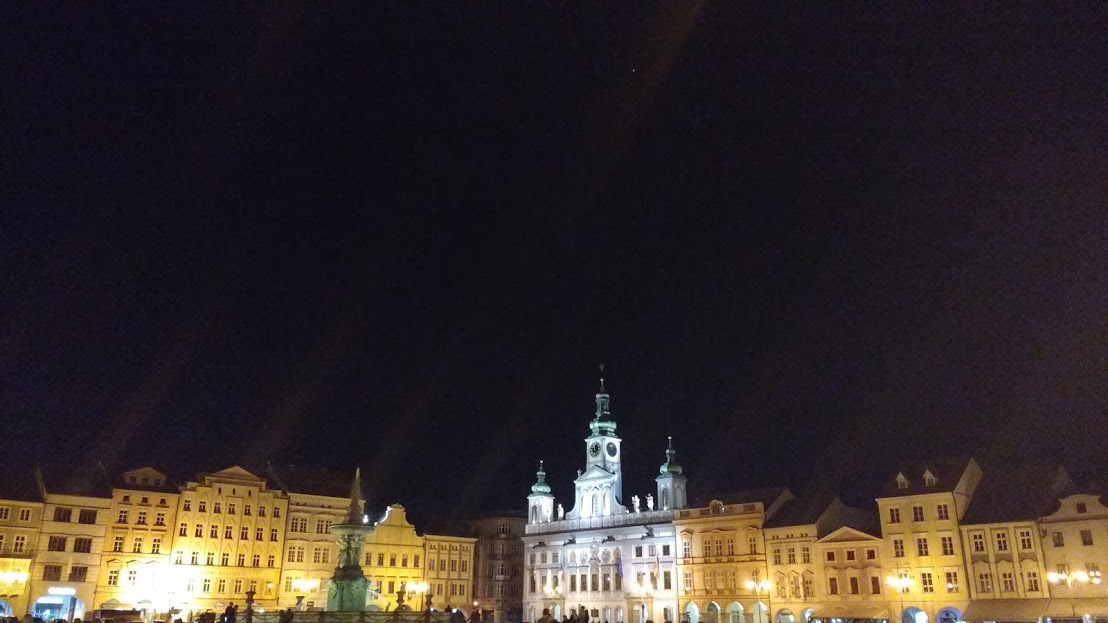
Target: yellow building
{"type": "Point", "coordinates": [853, 577]}
{"type": "Point", "coordinates": [450, 571]}
{"type": "Point", "coordinates": [317, 499]}
{"type": "Point", "coordinates": [66, 565]}
{"type": "Point", "coordinates": [721, 557]}
{"type": "Point", "coordinates": [920, 510]}
{"type": "Point", "coordinates": [1075, 548]}
{"type": "Point", "coordinates": [394, 558]}
{"type": "Point", "coordinates": [135, 561]}
{"type": "Point", "coordinates": [20, 524]}
{"type": "Point", "coordinates": [229, 540]}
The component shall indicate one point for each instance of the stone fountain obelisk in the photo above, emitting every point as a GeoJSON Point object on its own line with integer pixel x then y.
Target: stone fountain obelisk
{"type": "Point", "coordinates": [349, 587]}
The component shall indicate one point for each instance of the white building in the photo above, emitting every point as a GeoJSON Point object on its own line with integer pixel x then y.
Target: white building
{"type": "Point", "coordinates": [601, 558]}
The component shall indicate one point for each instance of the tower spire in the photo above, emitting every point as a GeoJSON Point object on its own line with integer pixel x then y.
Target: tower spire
{"type": "Point", "coordinates": [603, 400]}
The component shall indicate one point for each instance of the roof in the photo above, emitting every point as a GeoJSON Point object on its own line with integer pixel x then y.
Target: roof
{"type": "Point", "coordinates": [947, 472]}
{"type": "Point", "coordinates": [19, 484]}
{"type": "Point", "coordinates": [167, 486]}
{"type": "Point", "coordinates": [71, 480]}
{"type": "Point", "coordinates": [311, 480]}
{"type": "Point", "coordinates": [803, 511]}
{"type": "Point", "coordinates": [766, 496]}
{"type": "Point", "coordinates": [861, 519]}
{"type": "Point", "coordinates": [1016, 493]}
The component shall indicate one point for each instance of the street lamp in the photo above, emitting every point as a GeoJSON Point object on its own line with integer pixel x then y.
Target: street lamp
{"type": "Point", "coordinates": [1082, 577]}
{"type": "Point", "coordinates": [758, 587]}
{"type": "Point", "coordinates": [901, 583]}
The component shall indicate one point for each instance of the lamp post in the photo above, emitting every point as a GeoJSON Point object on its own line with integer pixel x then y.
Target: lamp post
{"type": "Point", "coordinates": [758, 587]}
{"type": "Point", "coordinates": [1069, 578]}
{"type": "Point", "coordinates": [901, 583]}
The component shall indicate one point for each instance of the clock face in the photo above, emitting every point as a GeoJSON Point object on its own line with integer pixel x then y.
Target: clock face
{"type": "Point", "coordinates": [611, 448]}
{"type": "Point", "coordinates": [594, 449]}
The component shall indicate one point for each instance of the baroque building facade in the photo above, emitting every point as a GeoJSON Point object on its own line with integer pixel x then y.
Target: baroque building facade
{"type": "Point", "coordinates": [498, 565]}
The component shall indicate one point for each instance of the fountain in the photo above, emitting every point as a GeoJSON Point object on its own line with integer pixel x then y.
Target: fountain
{"type": "Point", "coordinates": [349, 587]}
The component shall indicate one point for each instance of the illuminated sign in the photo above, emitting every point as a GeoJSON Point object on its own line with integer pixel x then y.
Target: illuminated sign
{"type": "Point", "coordinates": [61, 590]}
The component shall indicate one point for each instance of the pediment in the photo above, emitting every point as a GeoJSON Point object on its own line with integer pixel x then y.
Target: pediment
{"type": "Point", "coordinates": [235, 472]}
{"type": "Point", "coordinates": [846, 534]}
{"type": "Point", "coordinates": [594, 473]}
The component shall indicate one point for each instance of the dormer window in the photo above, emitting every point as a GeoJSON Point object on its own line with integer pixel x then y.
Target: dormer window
{"type": "Point", "coordinates": [928, 479]}
{"type": "Point", "coordinates": [901, 481]}
{"type": "Point", "coordinates": [1081, 508]}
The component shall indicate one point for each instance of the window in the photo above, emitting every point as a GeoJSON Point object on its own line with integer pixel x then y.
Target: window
{"type": "Point", "coordinates": [1025, 539]}
{"type": "Point", "coordinates": [228, 532]}
{"type": "Point", "coordinates": [183, 530]}
{"type": "Point", "coordinates": [206, 585]}
{"type": "Point", "coordinates": [805, 554]}
{"type": "Point", "coordinates": [56, 544]}
{"type": "Point", "coordinates": [178, 557]}
{"type": "Point", "coordinates": [52, 573]}
{"type": "Point", "coordinates": [221, 585]}
{"type": "Point", "coordinates": [195, 558]}
{"type": "Point", "coordinates": [271, 561]}
{"type": "Point", "coordinates": [1086, 537]}
{"type": "Point", "coordinates": [117, 544]}
{"type": "Point", "coordinates": [24, 514]}
{"type": "Point", "coordinates": [688, 581]}
{"type": "Point", "coordinates": [948, 545]}
{"type": "Point", "coordinates": [917, 513]}
{"type": "Point", "coordinates": [807, 585]}
{"type": "Point", "coordinates": [64, 515]}
{"type": "Point", "coordinates": [113, 577]}
{"type": "Point", "coordinates": [753, 545]}
{"type": "Point", "coordinates": [719, 547]}
{"type": "Point", "coordinates": [241, 560]}
{"type": "Point", "coordinates": [928, 479]}
{"type": "Point", "coordinates": [686, 549]}
{"type": "Point", "coordinates": [875, 585]}
{"type": "Point", "coordinates": [921, 547]}
{"type": "Point", "coordinates": [777, 555]}
{"type": "Point", "coordinates": [136, 545]}
{"type": "Point", "coordinates": [392, 561]}
{"type": "Point", "coordinates": [381, 560]}
{"type": "Point", "coordinates": [906, 584]}
{"type": "Point", "coordinates": [277, 513]}
{"type": "Point", "coordinates": [894, 515]}
{"type": "Point", "coordinates": [273, 534]}
{"type": "Point", "coordinates": [198, 531]}
{"type": "Point", "coordinates": [256, 559]}
{"type": "Point", "coordinates": [985, 583]}
{"type": "Point", "coordinates": [415, 562]}
{"type": "Point", "coordinates": [942, 511]}
{"type": "Point", "coordinates": [898, 548]}
{"type": "Point", "coordinates": [1032, 581]}
{"type": "Point", "coordinates": [87, 517]}
{"type": "Point", "coordinates": [553, 559]}
{"type": "Point", "coordinates": [231, 508]}
{"type": "Point", "coordinates": [952, 581]}
{"type": "Point", "coordinates": [927, 585]}
{"type": "Point", "coordinates": [833, 586]}
{"type": "Point", "coordinates": [790, 555]}
{"type": "Point", "coordinates": [186, 506]}
{"type": "Point", "coordinates": [78, 574]}
{"type": "Point", "coordinates": [707, 551]}
{"type": "Point", "coordinates": [141, 518]}
{"type": "Point", "coordinates": [246, 510]}
{"type": "Point", "coordinates": [901, 481]}
{"type": "Point", "coordinates": [217, 507]}
{"type": "Point", "coordinates": [259, 534]}
{"type": "Point", "coordinates": [225, 559]}
{"type": "Point", "coordinates": [871, 554]}
{"type": "Point", "coordinates": [132, 577]}
{"type": "Point", "coordinates": [978, 540]}
{"type": "Point", "coordinates": [1001, 541]}
{"type": "Point", "coordinates": [296, 554]}
{"type": "Point", "coordinates": [244, 534]}
{"type": "Point", "coordinates": [156, 546]}
{"type": "Point", "coordinates": [1081, 508]}
{"type": "Point", "coordinates": [20, 543]}
{"type": "Point", "coordinates": [850, 554]}
{"type": "Point", "coordinates": [667, 580]}
{"type": "Point", "coordinates": [261, 511]}
{"type": "Point", "coordinates": [1057, 539]}
{"type": "Point", "coordinates": [1007, 582]}
{"type": "Point", "coordinates": [453, 564]}
{"type": "Point", "coordinates": [214, 532]}
{"type": "Point", "coordinates": [159, 519]}
{"type": "Point", "coordinates": [5, 512]}
{"type": "Point", "coordinates": [854, 586]}
{"type": "Point", "coordinates": [666, 548]}
{"type": "Point", "coordinates": [122, 518]}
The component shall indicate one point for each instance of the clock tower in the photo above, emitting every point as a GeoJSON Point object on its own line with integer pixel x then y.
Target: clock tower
{"type": "Point", "coordinates": [600, 486]}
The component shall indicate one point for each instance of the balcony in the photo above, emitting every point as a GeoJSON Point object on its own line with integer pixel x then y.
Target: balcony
{"type": "Point", "coordinates": [9, 552]}
{"type": "Point", "coordinates": [608, 521]}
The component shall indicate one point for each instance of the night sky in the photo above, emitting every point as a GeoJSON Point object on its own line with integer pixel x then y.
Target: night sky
{"type": "Point", "coordinates": [807, 241]}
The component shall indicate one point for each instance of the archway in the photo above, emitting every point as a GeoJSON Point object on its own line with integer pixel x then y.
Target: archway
{"type": "Point", "coordinates": [641, 613]}
{"type": "Point", "coordinates": [806, 615]}
{"type": "Point", "coordinates": [5, 608]}
{"type": "Point", "coordinates": [784, 615]}
{"type": "Point", "coordinates": [735, 613]}
{"type": "Point", "coordinates": [557, 612]}
{"type": "Point", "coordinates": [52, 607]}
{"type": "Point", "coordinates": [949, 614]}
{"type": "Point", "coordinates": [711, 613]}
{"type": "Point", "coordinates": [692, 613]}
{"type": "Point", "coordinates": [913, 614]}
{"type": "Point", "coordinates": [759, 613]}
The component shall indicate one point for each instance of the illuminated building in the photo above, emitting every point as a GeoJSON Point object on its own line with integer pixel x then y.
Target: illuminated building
{"type": "Point", "coordinates": [394, 556]}
{"type": "Point", "coordinates": [921, 508]}
{"type": "Point", "coordinates": [134, 566]}
{"type": "Point", "coordinates": [1075, 550]}
{"type": "Point", "coordinates": [66, 565]}
{"type": "Point", "coordinates": [20, 525]}
{"type": "Point", "coordinates": [854, 583]}
{"type": "Point", "coordinates": [317, 499]}
{"type": "Point", "coordinates": [721, 557]}
{"type": "Point", "coordinates": [229, 539]}
{"type": "Point", "coordinates": [601, 558]}
{"type": "Point", "coordinates": [450, 570]}
{"type": "Point", "coordinates": [498, 566]}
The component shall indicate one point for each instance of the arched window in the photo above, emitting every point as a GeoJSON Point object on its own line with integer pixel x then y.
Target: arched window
{"type": "Point", "coordinates": [707, 547]}
{"type": "Point", "coordinates": [753, 545]}
{"type": "Point", "coordinates": [730, 546]}
{"type": "Point", "coordinates": [665, 499]}
{"type": "Point", "coordinates": [595, 504]}
{"type": "Point", "coordinates": [719, 547]}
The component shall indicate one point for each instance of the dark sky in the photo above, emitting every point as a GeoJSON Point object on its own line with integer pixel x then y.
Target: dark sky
{"type": "Point", "coordinates": [808, 241]}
